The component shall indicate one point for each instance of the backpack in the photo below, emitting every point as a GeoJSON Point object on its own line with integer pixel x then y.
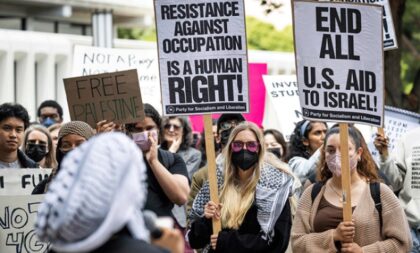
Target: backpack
{"type": "Point", "coordinates": [375, 193]}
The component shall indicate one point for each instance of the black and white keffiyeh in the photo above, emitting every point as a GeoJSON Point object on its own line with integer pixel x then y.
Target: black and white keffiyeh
{"type": "Point", "coordinates": [273, 189]}
{"type": "Point", "coordinates": [100, 189]}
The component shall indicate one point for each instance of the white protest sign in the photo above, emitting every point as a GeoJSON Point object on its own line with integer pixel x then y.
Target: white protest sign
{"type": "Point", "coordinates": [21, 181]}
{"type": "Point", "coordinates": [283, 94]}
{"type": "Point", "coordinates": [339, 61]}
{"type": "Point", "coordinates": [397, 123]}
{"type": "Point", "coordinates": [390, 39]}
{"type": "Point", "coordinates": [202, 56]}
{"type": "Point", "coordinates": [17, 218]}
{"type": "Point", "coordinates": [97, 60]}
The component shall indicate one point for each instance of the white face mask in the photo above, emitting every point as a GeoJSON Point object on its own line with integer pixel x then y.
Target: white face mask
{"type": "Point", "coordinates": [334, 163]}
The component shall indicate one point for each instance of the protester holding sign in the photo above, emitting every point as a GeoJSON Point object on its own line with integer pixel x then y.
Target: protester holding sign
{"type": "Point", "coordinates": [379, 223]}
{"type": "Point", "coordinates": [254, 209]}
{"type": "Point", "coordinates": [14, 119]}
{"type": "Point", "coordinates": [95, 203]}
{"type": "Point", "coordinates": [167, 176]}
{"type": "Point", "coordinates": [403, 172]}
{"type": "Point", "coordinates": [38, 145]}
{"type": "Point", "coordinates": [307, 138]}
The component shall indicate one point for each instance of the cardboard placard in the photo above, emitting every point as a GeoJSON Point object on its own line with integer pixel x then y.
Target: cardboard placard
{"type": "Point", "coordinates": [112, 96]}
{"type": "Point", "coordinates": [17, 218]}
{"type": "Point", "coordinates": [389, 37]}
{"type": "Point", "coordinates": [339, 61]}
{"type": "Point", "coordinates": [283, 96]}
{"type": "Point", "coordinates": [97, 60]}
{"type": "Point", "coordinates": [202, 56]}
{"type": "Point", "coordinates": [21, 181]}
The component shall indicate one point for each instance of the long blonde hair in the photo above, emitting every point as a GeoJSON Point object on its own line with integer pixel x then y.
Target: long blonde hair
{"type": "Point", "coordinates": [237, 198]}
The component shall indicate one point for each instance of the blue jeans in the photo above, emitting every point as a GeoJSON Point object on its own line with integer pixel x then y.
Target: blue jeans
{"type": "Point", "coordinates": [415, 235]}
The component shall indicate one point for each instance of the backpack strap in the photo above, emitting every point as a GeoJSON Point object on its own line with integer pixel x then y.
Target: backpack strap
{"type": "Point", "coordinates": [375, 192]}
{"type": "Point", "coordinates": [316, 189]}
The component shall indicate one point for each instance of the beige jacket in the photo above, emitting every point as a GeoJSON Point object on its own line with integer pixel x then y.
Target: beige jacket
{"type": "Point", "coordinates": [395, 236]}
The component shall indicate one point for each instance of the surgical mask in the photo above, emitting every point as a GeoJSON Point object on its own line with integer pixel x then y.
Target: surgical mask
{"type": "Point", "coordinates": [244, 159]}
{"type": "Point", "coordinates": [36, 152]}
{"type": "Point", "coordinates": [48, 122]}
{"type": "Point", "coordinates": [142, 139]}
{"type": "Point", "coordinates": [334, 163]}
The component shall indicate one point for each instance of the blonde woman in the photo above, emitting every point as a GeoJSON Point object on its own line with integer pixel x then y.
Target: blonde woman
{"type": "Point", "coordinates": [254, 207]}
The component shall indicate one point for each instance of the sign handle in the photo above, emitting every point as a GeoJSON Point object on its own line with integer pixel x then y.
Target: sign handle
{"type": "Point", "coordinates": [345, 171]}
{"type": "Point", "coordinates": [211, 165]}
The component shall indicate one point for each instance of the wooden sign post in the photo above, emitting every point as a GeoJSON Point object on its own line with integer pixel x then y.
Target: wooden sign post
{"type": "Point", "coordinates": [345, 171]}
{"type": "Point", "coordinates": [211, 165]}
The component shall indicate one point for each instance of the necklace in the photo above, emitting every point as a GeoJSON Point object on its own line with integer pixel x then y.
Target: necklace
{"type": "Point", "coordinates": [340, 196]}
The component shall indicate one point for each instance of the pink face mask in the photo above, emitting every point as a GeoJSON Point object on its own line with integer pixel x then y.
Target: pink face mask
{"type": "Point", "coordinates": [142, 139]}
{"type": "Point", "coordinates": [334, 163]}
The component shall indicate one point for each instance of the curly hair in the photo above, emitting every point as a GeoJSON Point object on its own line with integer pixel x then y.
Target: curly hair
{"type": "Point", "coordinates": [300, 133]}
{"type": "Point", "coordinates": [187, 136]}
{"type": "Point", "coordinates": [366, 167]}
{"type": "Point", "coordinates": [9, 110]}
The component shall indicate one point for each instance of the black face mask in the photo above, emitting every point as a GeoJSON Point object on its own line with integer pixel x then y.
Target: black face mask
{"type": "Point", "coordinates": [224, 137]}
{"type": "Point", "coordinates": [244, 159]}
{"type": "Point", "coordinates": [36, 152]}
{"type": "Point", "coordinates": [275, 151]}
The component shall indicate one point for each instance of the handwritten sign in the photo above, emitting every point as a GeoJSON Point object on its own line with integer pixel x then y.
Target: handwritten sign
{"type": "Point", "coordinates": [17, 218]}
{"type": "Point", "coordinates": [202, 56]}
{"type": "Point", "coordinates": [112, 96]}
{"type": "Point", "coordinates": [99, 60]}
{"type": "Point", "coordinates": [21, 181]}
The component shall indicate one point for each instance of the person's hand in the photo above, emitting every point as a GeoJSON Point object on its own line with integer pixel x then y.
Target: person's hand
{"type": "Point", "coordinates": [381, 144]}
{"type": "Point", "coordinates": [351, 247]}
{"type": "Point", "coordinates": [211, 210]}
{"type": "Point", "coordinates": [175, 145]}
{"type": "Point", "coordinates": [171, 240]}
{"type": "Point", "coordinates": [152, 154]}
{"type": "Point", "coordinates": [213, 241]}
{"type": "Point", "coordinates": [104, 126]}
{"type": "Point", "coordinates": [344, 232]}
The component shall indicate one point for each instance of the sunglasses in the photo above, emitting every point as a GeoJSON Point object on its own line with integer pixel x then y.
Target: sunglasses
{"type": "Point", "coordinates": [169, 126]}
{"type": "Point", "coordinates": [228, 125]}
{"type": "Point", "coordinates": [251, 146]}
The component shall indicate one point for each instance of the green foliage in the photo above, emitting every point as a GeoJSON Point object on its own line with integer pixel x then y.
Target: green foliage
{"type": "Point", "coordinates": [264, 36]}
{"type": "Point", "coordinates": [410, 63]}
{"type": "Point", "coordinates": [146, 34]}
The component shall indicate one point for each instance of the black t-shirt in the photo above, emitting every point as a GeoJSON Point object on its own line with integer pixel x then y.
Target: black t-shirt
{"type": "Point", "coordinates": [157, 201]}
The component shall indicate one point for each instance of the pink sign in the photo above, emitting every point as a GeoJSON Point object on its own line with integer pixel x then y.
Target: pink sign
{"type": "Point", "coordinates": [256, 96]}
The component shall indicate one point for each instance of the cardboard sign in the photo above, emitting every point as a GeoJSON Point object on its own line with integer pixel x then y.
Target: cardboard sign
{"type": "Point", "coordinates": [283, 96]}
{"type": "Point", "coordinates": [339, 61]}
{"type": "Point", "coordinates": [17, 218]}
{"type": "Point", "coordinates": [397, 123]}
{"type": "Point", "coordinates": [202, 56]}
{"type": "Point", "coordinates": [389, 37]}
{"type": "Point", "coordinates": [21, 181]}
{"type": "Point", "coordinates": [98, 60]}
{"type": "Point", "coordinates": [112, 96]}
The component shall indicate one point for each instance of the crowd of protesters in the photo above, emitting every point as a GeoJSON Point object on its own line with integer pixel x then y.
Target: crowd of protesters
{"type": "Point", "coordinates": [274, 196]}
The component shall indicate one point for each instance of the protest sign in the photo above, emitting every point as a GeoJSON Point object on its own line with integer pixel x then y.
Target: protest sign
{"type": "Point", "coordinates": [99, 60]}
{"type": "Point", "coordinates": [397, 123]}
{"type": "Point", "coordinates": [389, 37]}
{"type": "Point", "coordinates": [17, 219]}
{"type": "Point", "coordinates": [21, 181]}
{"type": "Point", "coordinates": [283, 95]}
{"type": "Point", "coordinates": [112, 96]}
{"type": "Point", "coordinates": [202, 56]}
{"type": "Point", "coordinates": [339, 61]}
